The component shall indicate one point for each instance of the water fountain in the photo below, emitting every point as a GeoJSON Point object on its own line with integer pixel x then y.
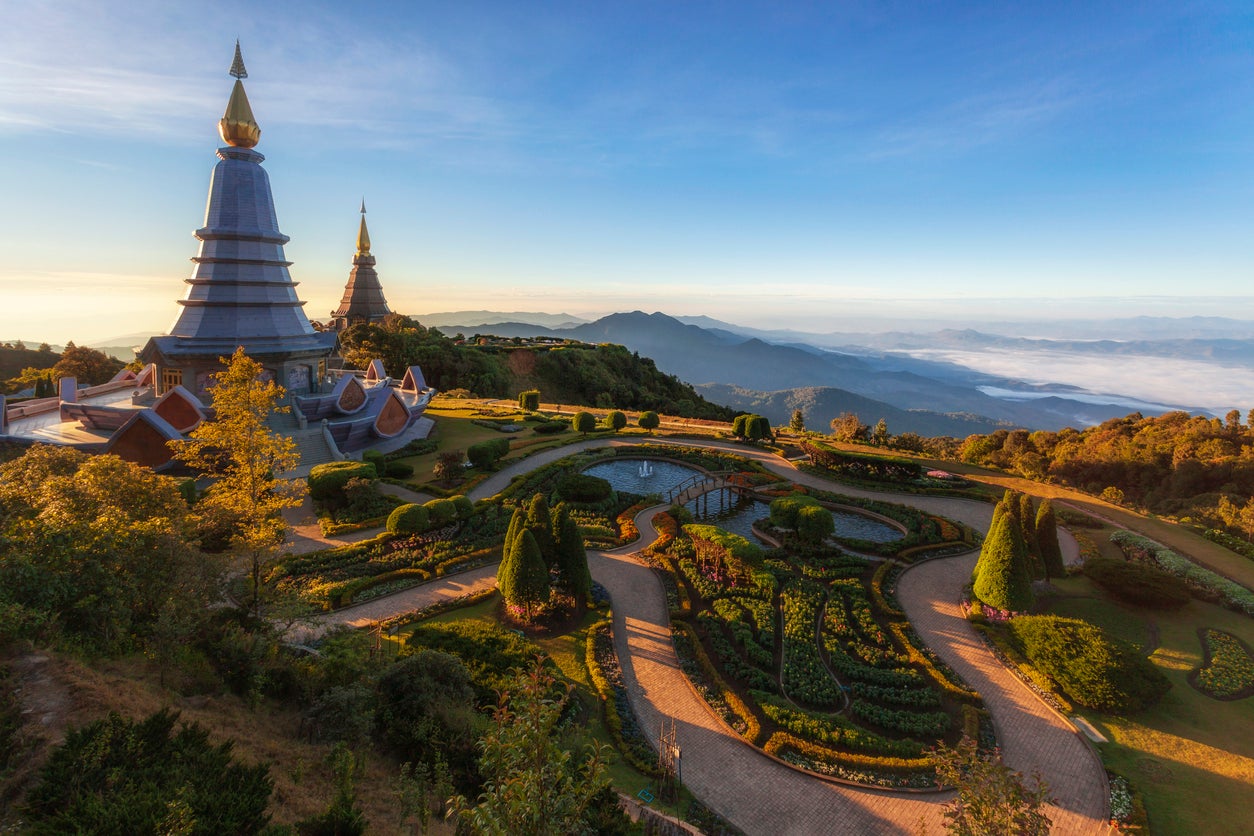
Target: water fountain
{"type": "Point", "coordinates": [646, 469]}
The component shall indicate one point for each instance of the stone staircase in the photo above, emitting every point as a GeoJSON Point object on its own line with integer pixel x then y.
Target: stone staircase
{"type": "Point", "coordinates": [313, 447]}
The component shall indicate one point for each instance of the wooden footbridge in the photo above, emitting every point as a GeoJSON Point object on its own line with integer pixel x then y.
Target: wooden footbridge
{"type": "Point", "coordinates": [704, 484]}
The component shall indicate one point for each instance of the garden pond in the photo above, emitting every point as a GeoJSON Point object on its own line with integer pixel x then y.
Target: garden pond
{"type": "Point", "coordinates": [723, 508]}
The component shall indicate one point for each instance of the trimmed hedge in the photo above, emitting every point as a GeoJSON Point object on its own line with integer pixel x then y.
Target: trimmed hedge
{"type": "Point", "coordinates": [327, 481]}
{"type": "Point", "coordinates": [409, 519]}
{"type": "Point", "coordinates": [1137, 583]}
{"type": "Point", "coordinates": [580, 487]}
{"type": "Point", "coordinates": [1092, 668]}
{"type": "Point", "coordinates": [442, 512]}
{"type": "Point", "coordinates": [1233, 594]}
{"type": "Point", "coordinates": [487, 453]}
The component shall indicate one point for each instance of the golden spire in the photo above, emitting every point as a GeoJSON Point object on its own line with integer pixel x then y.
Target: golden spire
{"type": "Point", "coordinates": [363, 234]}
{"type": "Point", "coordinates": [237, 126]}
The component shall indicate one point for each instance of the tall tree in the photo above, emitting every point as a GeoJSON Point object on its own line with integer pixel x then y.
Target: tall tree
{"type": "Point", "coordinates": [540, 523]}
{"type": "Point", "coordinates": [572, 557]}
{"type": "Point", "coordinates": [245, 457]}
{"type": "Point", "coordinates": [847, 427]}
{"type": "Point", "coordinates": [523, 578]}
{"type": "Point", "coordinates": [1047, 538]}
{"type": "Point", "coordinates": [534, 785]}
{"type": "Point", "coordinates": [1027, 527]}
{"type": "Point", "coordinates": [87, 365]}
{"type": "Point", "coordinates": [1003, 581]}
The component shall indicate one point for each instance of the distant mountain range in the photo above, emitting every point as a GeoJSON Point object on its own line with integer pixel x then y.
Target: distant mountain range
{"type": "Point", "coordinates": [923, 396]}
{"type": "Point", "coordinates": [917, 382]}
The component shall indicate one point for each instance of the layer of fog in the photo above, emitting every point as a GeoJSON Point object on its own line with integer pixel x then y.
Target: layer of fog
{"type": "Point", "coordinates": [1138, 382]}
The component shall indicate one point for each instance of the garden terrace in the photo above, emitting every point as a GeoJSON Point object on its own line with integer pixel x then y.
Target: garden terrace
{"type": "Point", "coordinates": [797, 657]}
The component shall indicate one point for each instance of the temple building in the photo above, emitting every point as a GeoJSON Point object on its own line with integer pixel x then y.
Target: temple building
{"type": "Point", "coordinates": [363, 295]}
{"type": "Point", "coordinates": [240, 292]}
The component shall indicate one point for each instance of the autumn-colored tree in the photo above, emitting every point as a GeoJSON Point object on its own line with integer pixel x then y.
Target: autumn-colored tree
{"type": "Point", "coordinates": [992, 797]}
{"type": "Point", "coordinates": [847, 427]}
{"type": "Point", "coordinates": [448, 465]}
{"type": "Point", "coordinates": [244, 457]}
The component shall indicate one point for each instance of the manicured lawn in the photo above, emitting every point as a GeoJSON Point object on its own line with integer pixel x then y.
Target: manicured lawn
{"type": "Point", "coordinates": [1191, 756]}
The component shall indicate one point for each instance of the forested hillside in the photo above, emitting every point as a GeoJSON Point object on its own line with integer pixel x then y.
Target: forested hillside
{"type": "Point", "coordinates": [1176, 464]}
{"type": "Point", "coordinates": [596, 375]}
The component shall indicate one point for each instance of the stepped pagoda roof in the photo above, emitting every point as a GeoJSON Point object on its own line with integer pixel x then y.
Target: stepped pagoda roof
{"type": "Point", "coordinates": [363, 299]}
{"type": "Point", "coordinates": [240, 292]}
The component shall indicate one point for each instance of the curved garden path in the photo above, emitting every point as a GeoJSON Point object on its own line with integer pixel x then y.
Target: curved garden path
{"type": "Point", "coordinates": [750, 789]}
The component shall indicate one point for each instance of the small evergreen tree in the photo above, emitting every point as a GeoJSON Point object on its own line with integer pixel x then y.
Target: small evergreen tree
{"type": "Point", "coordinates": [615, 419]}
{"type": "Point", "coordinates": [572, 557]}
{"type": "Point", "coordinates": [529, 400]}
{"type": "Point", "coordinates": [797, 423]}
{"type": "Point", "coordinates": [880, 435]}
{"type": "Point", "coordinates": [539, 522]}
{"type": "Point", "coordinates": [1003, 581]}
{"type": "Point", "coordinates": [648, 421]}
{"type": "Point", "coordinates": [1027, 526]}
{"type": "Point", "coordinates": [998, 510]}
{"type": "Point", "coordinates": [739, 425]}
{"type": "Point", "coordinates": [1047, 538]}
{"type": "Point", "coordinates": [523, 578]}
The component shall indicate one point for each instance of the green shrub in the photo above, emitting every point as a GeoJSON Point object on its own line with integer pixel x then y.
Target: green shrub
{"type": "Point", "coordinates": [1233, 594]}
{"type": "Point", "coordinates": [529, 400]}
{"type": "Point", "coordinates": [409, 519]}
{"type": "Point", "coordinates": [487, 453]}
{"type": "Point", "coordinates": [579, 487]}
{"type": "Point", "coordinates": [615, 420]}
{"type": "Point", "coordinates": [441, 511]}
{"type": "Point", "coordinates": [648, 421]}
{"type": "Point", "coordinates": [327, 481]}
{"type": "Point", "coordinates": [551, 427]}
{"type": "Point", "coordinates": [398, 470]}
{"type": "Point", "coordinates": [375, 458]}
{"type": "Point", "coordinates": [1092, 668]}
{"type": "Point", "coordinates": [120, 776]}
{"type": "Point", "coordinates": [784, 510]}
{"type": "Point", "coordinates": [1137, 583]}
{"type": "Point", "coordinates": [463, 506]}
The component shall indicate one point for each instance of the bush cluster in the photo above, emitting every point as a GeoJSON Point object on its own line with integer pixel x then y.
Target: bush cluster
{"type": "Point", "coordinates": [1092, 668]}
{"type": "Point", "coordinates": [327, 481]}
{"type": "Point", "coordinates": [579, 487]}
{"type": "Point", "coordinates": [1137, 583]}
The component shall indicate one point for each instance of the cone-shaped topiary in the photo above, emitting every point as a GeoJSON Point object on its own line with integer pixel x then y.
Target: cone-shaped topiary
{"type": "Point", "coordinates": [522, 577]}
{"type": "Point", "coordinates": [1047, 537]}
{"type": "Point", "coordinates": [572, 557]}
{"type": "Point", "coordinates": [1003, 581]}
{"type": "Point", "coordinates": [1027, 526]}
{"type": "Point", "coordinates": [540, 523]}
{"type": "Point", "coordinates": [998, 510]}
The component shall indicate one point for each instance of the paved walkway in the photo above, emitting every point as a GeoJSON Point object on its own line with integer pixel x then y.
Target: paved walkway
{"type": "Point", "coordinates": [754, 792]}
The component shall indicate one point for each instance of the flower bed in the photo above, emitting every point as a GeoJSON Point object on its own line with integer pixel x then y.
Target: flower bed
{"type": "Point", "coordinates": [607, 678]}
{"type": "Point", "coordinates": [1228, 672]}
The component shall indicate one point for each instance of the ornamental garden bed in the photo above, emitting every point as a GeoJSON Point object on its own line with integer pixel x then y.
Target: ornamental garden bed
{"type": "Point", "coordinates": [1228, 670]}
{"type": "Point", "coordinates": [800, 652]}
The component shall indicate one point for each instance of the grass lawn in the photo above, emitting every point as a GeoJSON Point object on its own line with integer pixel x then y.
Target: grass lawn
{"type": "Point", "coordinates": [567, 651]}
{"type": "Point", "coordinates": [1192, 757]}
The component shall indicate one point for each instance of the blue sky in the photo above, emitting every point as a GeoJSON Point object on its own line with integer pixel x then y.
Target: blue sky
{"type": "Point", "coordinates": [771, 164]}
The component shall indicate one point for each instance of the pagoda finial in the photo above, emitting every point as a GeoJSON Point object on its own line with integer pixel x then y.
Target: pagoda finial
{"type": "Point", "coordinates": [237, 126]}
{"type": "Point", "coordinates": [237, 66]}
{"type": "Point", "coordinates": [363, 234]}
